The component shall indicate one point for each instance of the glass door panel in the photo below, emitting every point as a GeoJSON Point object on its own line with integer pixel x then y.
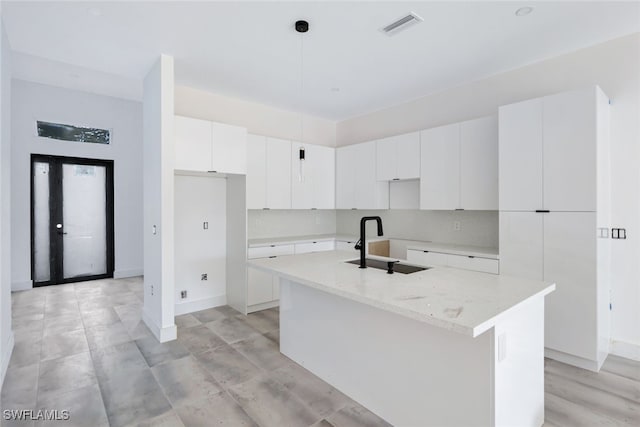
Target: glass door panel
{"type": "Point", "coordinates": [41, 230]}
{"type": "Point", "coordinates": [84, 220]}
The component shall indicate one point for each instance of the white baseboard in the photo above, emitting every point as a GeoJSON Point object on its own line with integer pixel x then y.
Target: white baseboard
{"type": "Point", "coordinates": [625, 349]}
{"type": "Point", "coordinates": [162, 334]}
{"type": "Point", "coordinates": [569, 359]}
{"type": "Point", "coordinates": [200, 304]}
{"type": "Point", "coordinates": [122, 274]}
{"type": "Point", "coordinates": [263, 306]}
{"type": "Point", "coordinates": [21, 286]}
{"type": "Point", "coordinates": [6, 357]}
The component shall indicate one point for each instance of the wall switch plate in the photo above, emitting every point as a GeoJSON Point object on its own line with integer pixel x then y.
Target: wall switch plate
{"type": "Point", "coordinates": [456, 226]}
{"type": "Point", "coordinates": [183, 294]}
{"type": "Point", "coordinates": [618, 233]}
{"type": "Point", "coordinates": [203, 276]}
{"type": "Point", "coordinates": [205, 225]}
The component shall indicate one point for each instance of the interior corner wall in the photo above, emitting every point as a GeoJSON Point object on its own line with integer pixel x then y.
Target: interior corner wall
{"type": "Point", "coordinates": [615, 67]}
{"type": "Point", "coordinates": [33, 101]}
{"type": "Point", "coordinates": [6, 334]}
{"type": "Point", "coordinates": [259, 119]}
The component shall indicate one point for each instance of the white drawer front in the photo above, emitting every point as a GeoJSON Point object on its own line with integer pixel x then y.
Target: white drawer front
{"type": "Point", "coordinates": [305, 248]}
{"type": "Point", "coordinates": [484, 265]}
{"type": "Point", "coordinates": [268, 251]}
{"type": "Point", "coordinates": [426, 258]}
{"type": "Point", "coordinates": [345, 246]}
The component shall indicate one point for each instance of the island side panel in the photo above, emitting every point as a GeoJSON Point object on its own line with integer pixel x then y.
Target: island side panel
{"type": "Point", "coordinates": [407, 372]}
{"type": "Point", "coordinates": [519, 366]}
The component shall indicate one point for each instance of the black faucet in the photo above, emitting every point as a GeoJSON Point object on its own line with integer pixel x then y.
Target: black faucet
{"type": "Point", "coordinates": [361, 245]}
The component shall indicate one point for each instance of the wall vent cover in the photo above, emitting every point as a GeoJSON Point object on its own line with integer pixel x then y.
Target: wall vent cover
{"type": "Point", "coordinates": [401, 24]}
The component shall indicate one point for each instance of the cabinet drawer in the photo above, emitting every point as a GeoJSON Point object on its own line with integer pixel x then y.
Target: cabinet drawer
{"type": "Point", "coordinates": [268, 251]}
{"type": "Point", "coordinates": [305, 248]}
{"type": "Point", "coordinates": [426, 258]}
{"type": "Point", "coordinates": [345, 246]}
{"type": "Point", "coordinates": [484, 265]}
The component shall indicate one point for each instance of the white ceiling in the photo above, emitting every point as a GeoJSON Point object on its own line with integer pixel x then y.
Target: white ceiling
{"type": "Point", "coordinates": [250, 50]}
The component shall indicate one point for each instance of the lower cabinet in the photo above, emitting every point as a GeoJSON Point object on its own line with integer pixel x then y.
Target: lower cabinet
{"type": "Point", "coordinates": [263, 289]}
{"type": "Point", "coordinates": [465, 262]}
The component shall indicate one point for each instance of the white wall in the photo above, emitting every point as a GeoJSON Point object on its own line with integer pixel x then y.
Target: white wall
{"type": "Point", "coordinates": [158, 182]}
{"type": "Point", "coordinates": [283, 223]}
{"type": "Point", "coordinates": [259, 119]}
{"type": "Point", "coordinates": [6, 335]}
{"type": "Point", "coordinates": [615, 66]}
{"type": "Point", "coordinates": [31, 102]}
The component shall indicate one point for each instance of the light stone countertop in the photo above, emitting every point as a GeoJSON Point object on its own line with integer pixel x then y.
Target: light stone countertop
{"type": "Point", "coordinates": [462, 301]}
{"type": "Point", "coordinates": [257, 243]}
{"type": "Point", "coordinates": [449, 248]}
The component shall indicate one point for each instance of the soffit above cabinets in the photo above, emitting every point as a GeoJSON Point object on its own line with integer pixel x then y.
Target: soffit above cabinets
{"type": "Point", "coordinates": [250, 50]}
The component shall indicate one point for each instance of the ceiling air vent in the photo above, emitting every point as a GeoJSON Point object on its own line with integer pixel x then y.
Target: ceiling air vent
{"type": "Point", "coordinates": [401, 24]}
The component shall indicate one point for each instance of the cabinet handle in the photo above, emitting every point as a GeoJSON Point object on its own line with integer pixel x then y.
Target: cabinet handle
{"type": "Point", "coordinates": [470, 256]}
{"type": "Point", "coordinates": [542, 211]}
{"type": "Point", "coordinates": [212, 171]}
{"type": "Point", "coordinates": [426, 252]}
{"type": "Point", "coordinates": [458, 209]}
{"type": "Point", "coordinates": [273, 256]}
{"type": "Point", "coordinates": [265, 209]}
{"type": "Point", "coordinates": [353, 209]}
{"type": "Point", "coordinates": [314, 209]}
{"type": "Point", "coordinates": [396, 179]}
{"type": "Point", "coordinates": [273, 246]}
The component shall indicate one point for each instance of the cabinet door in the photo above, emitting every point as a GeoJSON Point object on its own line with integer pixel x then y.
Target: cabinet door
{"type": "Point", "coordinates": [570, 151]}
{"type": "Point", "coordinates": [192, 144]}
{"type": "Point", "coordinates": [520, 156]}
{"type": "Point", "coordinates": [387, 159]}
{"type": "Point", "coordinates": [479, 164]}
{"type": "Point", "coordinates": [521, 239]}
{"type": "Point", "coordinates": [256, 172]}
{"type": "Point", "coordinates": [278, 174]}
{"type": "Point", "coordinates": [440, 168]}
{"type": "Point", "coordinates": [408, 156]}
{"type": "Point", "coordinates": [323, 172]}
{"type": "Point", "coordinates": [570, 262]}
{"type": "Point", "coordinates": [229, 149]}
{"type": "Point", "coordinates": [302, 176]}
{"type": "Point", "coordinates": [369, 192]}
{"type": "Point", "coordinates": [259, 286]}
{"type": "Point", "coordinates": [346, 161]}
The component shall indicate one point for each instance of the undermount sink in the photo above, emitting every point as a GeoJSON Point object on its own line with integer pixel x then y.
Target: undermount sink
{"type": "Point", "coordinates": [383, 265]}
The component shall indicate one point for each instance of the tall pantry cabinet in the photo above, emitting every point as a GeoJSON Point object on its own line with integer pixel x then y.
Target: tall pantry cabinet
{"type": "Point", "coordinates": [555, 215]}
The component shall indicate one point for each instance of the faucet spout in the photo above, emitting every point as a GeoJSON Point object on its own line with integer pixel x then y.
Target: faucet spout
{"type": "Point", "coordinates": [362, 243]}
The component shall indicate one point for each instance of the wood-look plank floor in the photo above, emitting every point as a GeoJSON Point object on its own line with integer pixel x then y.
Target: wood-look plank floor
{"type": "Point", "coordinates": [575, 397]}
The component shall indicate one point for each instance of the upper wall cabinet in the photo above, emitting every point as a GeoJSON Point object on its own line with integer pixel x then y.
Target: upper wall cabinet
{"type": "Point", "coordinates": [204, 146]}
{"type": "Point", "coordinates": [458, 165]}
{"type": "Point", "coordinates": [312, 178]}
{"type": "Point", "coordinates": [398, 157]}
{"type": "Point", "coordinates": [548, 152]}
{"type": "Point", "coordinates": [268, 173]}
{"type": "Point", "coordinates": [357, 186]}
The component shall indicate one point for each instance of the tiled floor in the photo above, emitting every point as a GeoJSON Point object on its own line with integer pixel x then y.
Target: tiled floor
{"type": "Point", "coordinates": [84, 348]}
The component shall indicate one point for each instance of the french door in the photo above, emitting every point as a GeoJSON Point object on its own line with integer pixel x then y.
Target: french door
{"type": "Point", "coordinates": [71, 219]}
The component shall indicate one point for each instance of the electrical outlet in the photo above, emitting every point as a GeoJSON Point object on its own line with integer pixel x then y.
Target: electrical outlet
{"type": "Point", "coordinates": [183, 294]}
{"type": "Point", "coordinates": [456, 226]}
{"type": "Point", "coordinates": [203, 276]}
{"type": "Point", "coordinates": [618, 233]}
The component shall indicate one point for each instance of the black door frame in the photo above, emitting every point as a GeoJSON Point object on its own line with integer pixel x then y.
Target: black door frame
{"type": "Point", "coordinates": [56, 245]}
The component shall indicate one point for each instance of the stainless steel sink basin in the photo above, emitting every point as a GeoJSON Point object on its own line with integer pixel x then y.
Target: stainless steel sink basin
{"type": "Point", "coordinates": [397, 267]}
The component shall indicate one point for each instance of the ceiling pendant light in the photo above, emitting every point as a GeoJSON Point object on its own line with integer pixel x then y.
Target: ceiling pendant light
{"type": "Point", "coordinates": [301, 27]}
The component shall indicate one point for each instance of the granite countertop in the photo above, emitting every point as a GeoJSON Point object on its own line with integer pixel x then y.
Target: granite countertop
{"type": "Point", "coordinates": [462, 301]}
{"type": "Point", "coordinates": [257, 243]}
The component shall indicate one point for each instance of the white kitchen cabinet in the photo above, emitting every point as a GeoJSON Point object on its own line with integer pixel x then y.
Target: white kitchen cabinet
{"type": "Point", "coordinates": [440, 168]}
{"type": "Point", "coordinates": [309, 247]}
{"type": "Point", "coordinates": [520, 156]}
{"type": "Point", "coordinates": [398, 157]}
{"type": "Point", "coordinates": [356, 183]}
{"type": "Point", "coordinates": [479, 164]}
{"type": "Point", "coordinates": [459, 166]}
{"type": "Point", "coordinates": [193, 145]}
{"type": "Point", "coordinates": [263, 289]}
{"type": "Point", "coordinates": [278, 174]}
{"type": "Point", "coordinates": [229, 150]}
{"type": "Point", "coordinates": [345, 245]}
{"type": "Point", "coordinates": [464, 262]}
{"type": "Point", "coordinates": [554, 158]}
{"type": "Point", "coordinates": [205, 146]}
{"type": "Point", "coordinates": [256, 171]}
{"type": "Point", "coordinates": [313, 179]}
{"type": "Point", "coordinates": [548, 152]}
{"type": "Point", "coordinates": [521, 250]}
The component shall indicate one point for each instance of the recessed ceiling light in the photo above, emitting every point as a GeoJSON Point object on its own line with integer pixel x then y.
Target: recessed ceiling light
{"type": "Point", "coordinates": [523, 11]}
{"type": "Point", "coordinates": [95, 11]}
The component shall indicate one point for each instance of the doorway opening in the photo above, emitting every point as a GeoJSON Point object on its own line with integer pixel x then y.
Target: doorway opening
{"type": "Point", "coordinates": [72, 231]}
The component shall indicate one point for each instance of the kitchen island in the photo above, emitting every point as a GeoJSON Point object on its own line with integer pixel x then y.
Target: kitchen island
{"type": "Point", "coordinates": [439, 347]}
